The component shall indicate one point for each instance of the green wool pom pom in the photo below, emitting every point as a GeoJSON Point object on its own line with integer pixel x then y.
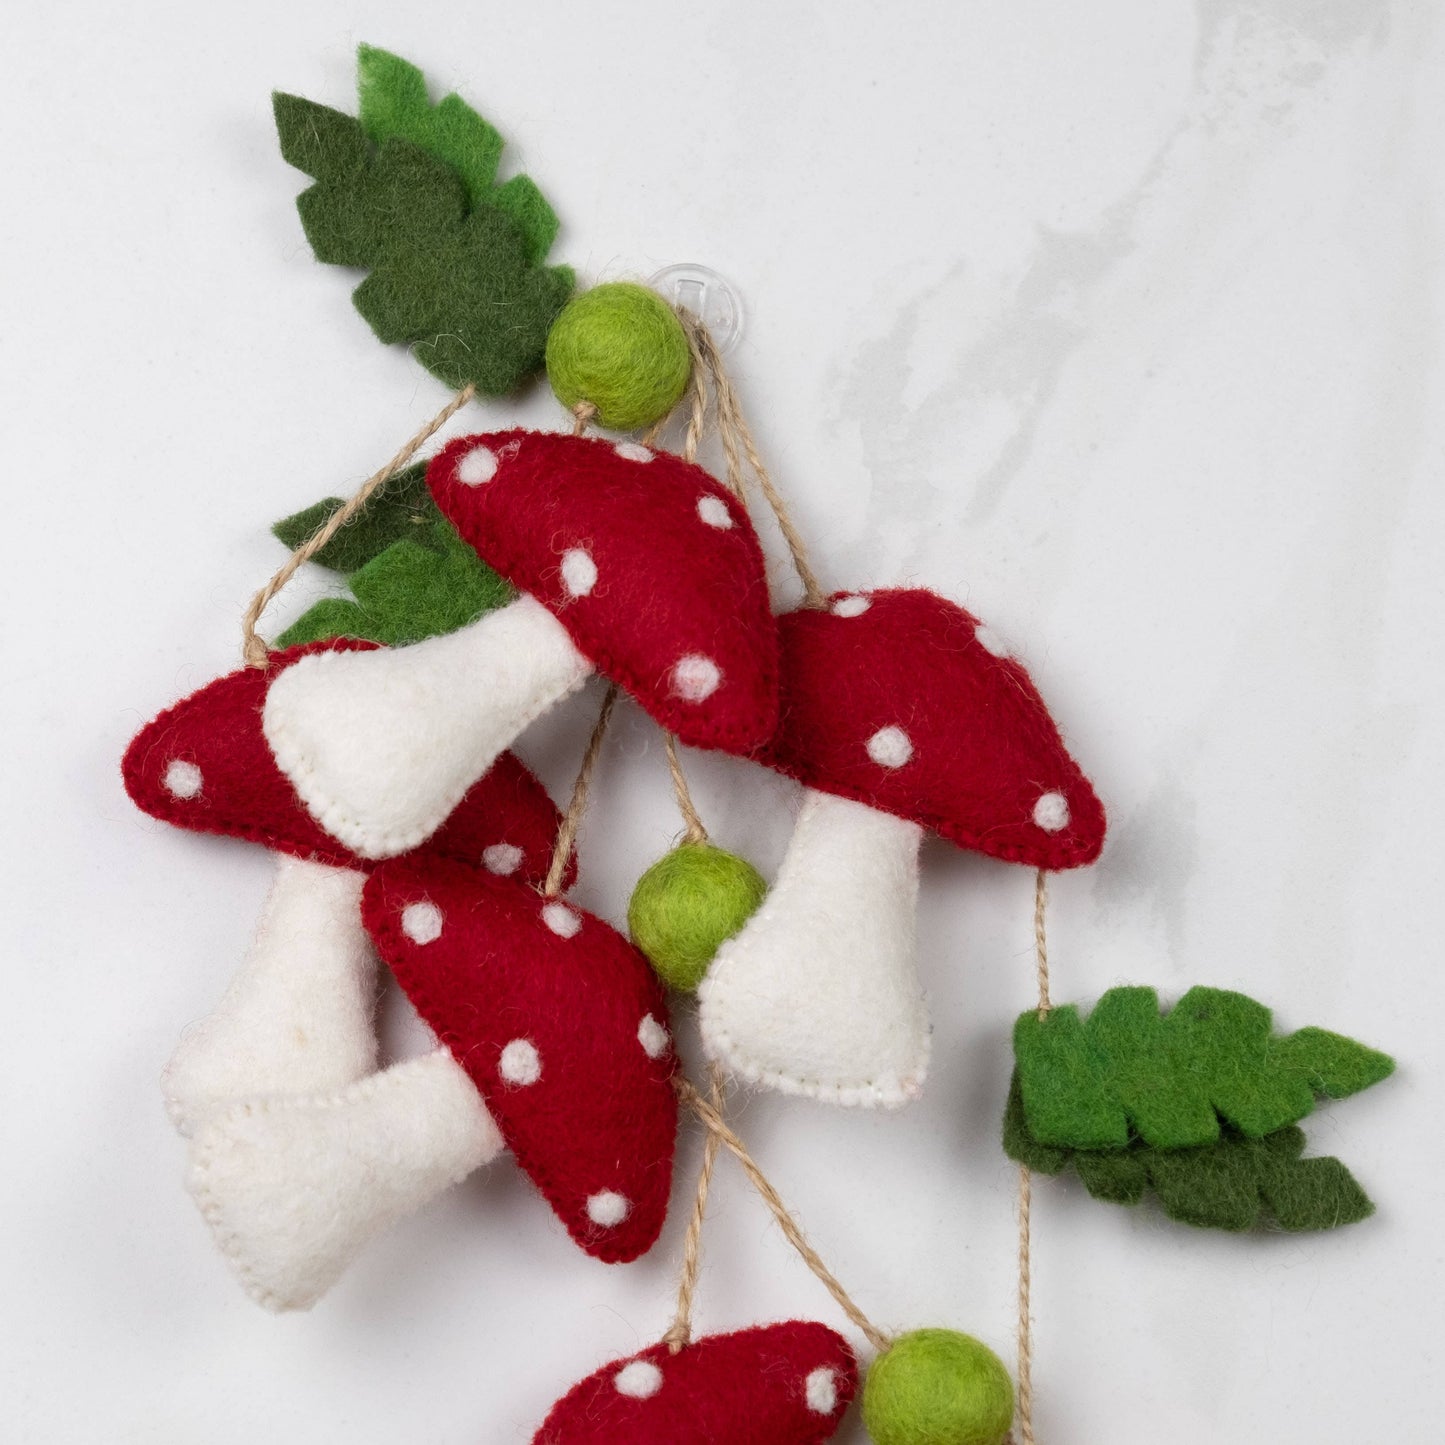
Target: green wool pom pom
{"type": "Point", "coordinates": [621, 347]}
{"type": "Point", "coordinates": [938, 1387]}
{"type": "Point", "coordinates": [687, 904]}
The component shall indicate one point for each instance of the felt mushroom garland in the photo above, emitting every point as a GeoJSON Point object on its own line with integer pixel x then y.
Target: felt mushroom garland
{"type": "Point", "coordinates": [381, 776]}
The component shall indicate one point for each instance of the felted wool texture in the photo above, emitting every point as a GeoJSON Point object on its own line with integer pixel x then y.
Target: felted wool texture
{"type": "Point", "coordinates": [783, 1384]}
{"type": "Point", "coordinates": [561, 1025]}
{"type": "Point", "coordinates": [687, 904]}
{"type": "Point", "coordinates": [298, 1017]}
{"type": "Point", "coordinates": [408, 593]}
{"type": "Point", "coordinates": [394, 104]}
{"type": "Point", "coordinates": [204, 764]}
{"type": "Point", "coordinates": [818, 995]}
{"type": "Point", "coordinates": [1093, 1084]}
{"type": "Point", "coordinates": [902, 700]}
{"type": "Point", "coordinates": [399, 509]}
{"type": "Point", "coordinates": [1236, 1183]}
{"type": "Point", "coordinates": [651, 566]}
{"type": "Point", "coordinates": [938, 1387]}
{"type": "Point", "coordinates": [456, 283]}
{"type": "Point", "coordinates": [381, 746]}
{"type": "Point", "coordinates": [293, 1187]}
{"type": "Point", "coordinates": [622, 348]}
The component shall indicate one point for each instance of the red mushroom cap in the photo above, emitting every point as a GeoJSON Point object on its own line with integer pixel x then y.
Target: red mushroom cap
{"type": "Point", "coordinates": [560, 1023]}
{"type": "Point", "coordinates": [786, 1384]}
{"type": "Point", "coordinates": [902, 700]}
{"type": "Point", "coordinates": [650, 565]}
{"type": "Point", "coordinates": [204, 764]}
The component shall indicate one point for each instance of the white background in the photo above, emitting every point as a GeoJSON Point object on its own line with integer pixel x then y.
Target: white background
{"type": "Point", "coordinates": [1118, 322]}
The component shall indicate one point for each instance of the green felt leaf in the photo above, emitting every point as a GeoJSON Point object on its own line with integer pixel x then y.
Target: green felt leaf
{"type": "Point", "coordinates": [400, 508]}
{"type": "Point", "coordinates": [407, 194]}
{"type": "Point", "coordinates": [1094, 1083]}
{"type": "Point", "coordinates": [410, 590]}
{"type": "Point", "coordinates": [1236, 1183]}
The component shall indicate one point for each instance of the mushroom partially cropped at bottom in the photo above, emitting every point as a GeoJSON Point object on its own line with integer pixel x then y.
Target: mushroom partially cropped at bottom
{"type": "Point", "coordinates": [298, 1016]}
{"type": "Point", "coordinates": [632, 563]}
{"type": "Point", "coordinates": [899, 712]}
{"type": "Point", "coordinates": [562, 1027]}
{"type": "Point", "coordinates": [783, 1384]}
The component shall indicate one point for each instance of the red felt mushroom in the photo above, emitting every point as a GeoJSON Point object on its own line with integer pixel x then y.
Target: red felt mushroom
{"type": "Point", "coordinates": [299, 1015]}
{"type": "Point", "coordinates": [301, 1152]}
{"type": "Point", "coordinates": [631, 562]}
{"type": "Point", "coordinates": [785, 1384]}
{"type": "Point", "coordinates": [900, 711]}
{"type": "Point", "coordinates": [560, 1023]}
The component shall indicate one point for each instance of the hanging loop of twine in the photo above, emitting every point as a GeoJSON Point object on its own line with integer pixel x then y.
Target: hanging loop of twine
{"type": "Point", "coordinates": [1025, 1327]}
{"type": "Point", "coordinates": [696, 833]}
{"type": "Point", "coordinates": [713, 1121]}
{"type": "Point", "coordinates": [253, 645]}
{"type": "Point", "coordinates": [577, 806]}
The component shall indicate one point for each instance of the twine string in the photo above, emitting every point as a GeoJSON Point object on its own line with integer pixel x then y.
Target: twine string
{"type": "Point", "coordinates": [696, 833]}
{"type": "Point", "coordinates": [572, 819]}
{"type": "Point", "coordinates": [738, 444]}
{"type": "Point", "coordinates": [714, 1122]}
{"type": "Point", "coordinates": [253, 646]}
{"type": "Point", "coordinates": [1025, 1328]}
{"type": "Point", "coordinates": [679, 1334]}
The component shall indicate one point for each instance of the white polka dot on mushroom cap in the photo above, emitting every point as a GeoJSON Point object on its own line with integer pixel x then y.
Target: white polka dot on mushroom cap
{"type": "Point", "coordinates": [520, 1063]}
{"type": "Point", "coordinates": [1051, 812]}
{"type": "Point", "coordinates": [579, 572]}
{"type": "Point", "coordinates": [854, 605]}
{"type": "Point", "coordinates": [479, 465]}
{"type": "Point", "coordinates": [608, 1208]}
{"type": "Point", "coordinates": [890, 747]}
{"type": "Point", "coordinates": [653, 1037]}
{"type": "Point", "coordinates": [640, 1380]}
{"type": "Point", "coordinates": [182, 779]}
{"type": "Point", "coordinates": [991, 641]}
{"type": "Point", "coordinates": [561, 920]}
{"type": "Point", "coordinates": [422, 922]}
{"type": "Point", "coordinates": [714, 511]}
{"type": "Point", "coordinates": [632, 452]}
{"type": "Point", "coordinates": [695, 677]}
{"type": "Point", "coordinates": [503, 859]}
{"type": "Point", "coordinates": [821, 1391]}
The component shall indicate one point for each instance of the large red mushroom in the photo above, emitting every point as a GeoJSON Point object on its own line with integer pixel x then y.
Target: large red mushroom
{"type": "Point", "coordinates": [899, 712]}
{"type": "Point", "coordinates": [630, 562]}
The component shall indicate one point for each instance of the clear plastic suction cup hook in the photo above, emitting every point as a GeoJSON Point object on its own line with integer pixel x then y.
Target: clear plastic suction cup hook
{"type": "Point", "coordinates": [708, 296]}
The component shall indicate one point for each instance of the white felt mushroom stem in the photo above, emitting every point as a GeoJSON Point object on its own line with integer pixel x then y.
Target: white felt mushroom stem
{"type": "Point", "coordinates": [294, 1188]}
{"type": "Point", "coordinates": [819, 994]}
{"type": "Point", "coordinates": [299, 1016]}
{"type": "Point", "coordinates": [381, 745]}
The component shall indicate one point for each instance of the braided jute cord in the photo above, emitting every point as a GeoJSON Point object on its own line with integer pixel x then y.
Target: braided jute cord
{"type": "Point", "coordinates": [253, 646]}
{"type": "Point", "coordinates": [1025, 1332]}
{"type": "Point", "coordinates": [713, 1121]}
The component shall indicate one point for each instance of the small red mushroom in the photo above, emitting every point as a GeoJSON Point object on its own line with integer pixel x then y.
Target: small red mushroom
{"type": "Point", "coordinates": [784, 1384]}
{"type": "Point", "coordinates": [899, 711]}
{"type": "Point", "coordinates": [560, 1023]}
{"type": "Point", "coordinates": [632, 563]}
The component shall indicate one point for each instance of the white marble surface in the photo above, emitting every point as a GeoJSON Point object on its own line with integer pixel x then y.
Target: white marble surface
{"type": "Point", "coordinates": [1120, 322]}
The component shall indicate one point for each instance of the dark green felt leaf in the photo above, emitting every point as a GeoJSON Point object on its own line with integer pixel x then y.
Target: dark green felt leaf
{"type": "Point", "coordinates": [400, 508]}
{"type": "Point", "coordinates": [1236, 1183]}
{"type": "Point", "coordinates": [1094, 1083]}
{"type": "Point", "coordinates": [456, 278]}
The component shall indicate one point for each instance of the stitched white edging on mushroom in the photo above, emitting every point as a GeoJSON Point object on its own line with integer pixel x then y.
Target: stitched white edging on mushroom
{"type": "Point", "coordinates": [293, 1188]}
{"type": "Point", "coordinates": [819, 995]}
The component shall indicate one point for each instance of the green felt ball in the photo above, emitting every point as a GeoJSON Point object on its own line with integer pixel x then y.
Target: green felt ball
{"type": "Point", "coordinates": [687, 904]}
{"type": "Point", "coordinates": [938, 1387]}
{"type": "Point", "coordinates": [621, 347]}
